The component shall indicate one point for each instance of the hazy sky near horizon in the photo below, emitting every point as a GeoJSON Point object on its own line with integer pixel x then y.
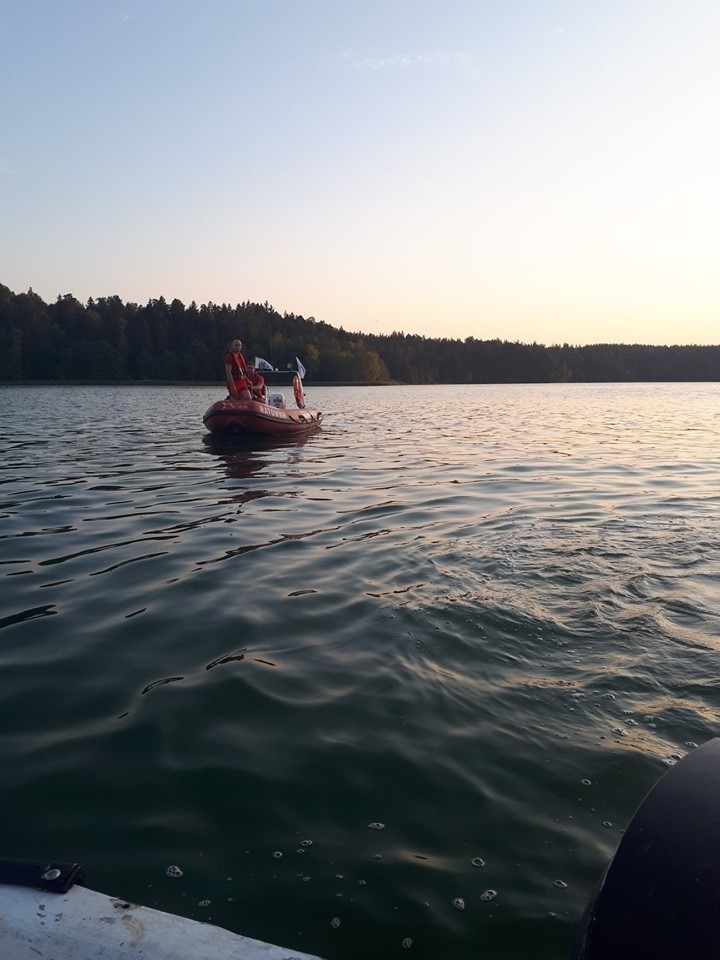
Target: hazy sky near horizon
{"type": "Point", "coordinates": [534, 170]}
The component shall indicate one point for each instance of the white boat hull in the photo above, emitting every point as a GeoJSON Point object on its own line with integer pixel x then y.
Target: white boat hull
{"type": "Point", "coordinates": [84, 925]}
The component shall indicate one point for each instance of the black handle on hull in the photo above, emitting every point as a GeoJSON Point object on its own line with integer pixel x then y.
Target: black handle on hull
{"type": "Point", "coordinates": [53, 876]}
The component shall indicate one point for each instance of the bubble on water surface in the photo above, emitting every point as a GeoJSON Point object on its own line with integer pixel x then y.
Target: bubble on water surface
{"type": "Point", "coordinates": [376, 826]}
{"type": "Point", "coordinates": [173, 871]}
{"type": "Point", "coordinates": [459, 903]}
{"type": "Point", "coordinates": [377, 856]}
{"type": "Point", "coordinates": [306, 843]}
{"type": "Point", "coordinates": [620, 731]}
{"type": "Point", "coordinates": [561, 884]}
{"type": "Point", "coordinates": [277, 854]}
{"type": "Point", "coordinates": [691, 744]}
{"type": "Point", "coordinates": [335, 923]}
{"type": "Point", "coordinates": [586, 783]}
{"type": "Point", "coordinates": [407, 943]}
{"type": "Point", "coordinates": [204, 903]}
{"type": "Point", "coordinates": [477, 862]}
{"type": "Point", "coordinates": [488, 895]}
{"type": "Point", "coordinates": [606, 823]}
{"type": "Point", "coordinates": [608, 696]}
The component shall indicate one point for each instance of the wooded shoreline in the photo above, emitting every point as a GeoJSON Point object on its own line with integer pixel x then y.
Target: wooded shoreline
{"type": "Point", "coordinates": [108, 341]}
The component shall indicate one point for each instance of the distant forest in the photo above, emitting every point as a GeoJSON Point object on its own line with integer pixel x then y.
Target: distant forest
{"type": "Point", "coordinates": [109, 340]}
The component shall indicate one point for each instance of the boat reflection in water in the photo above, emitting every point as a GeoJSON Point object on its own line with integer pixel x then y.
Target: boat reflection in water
{"type": "Point", "coordinates": [246, 455]}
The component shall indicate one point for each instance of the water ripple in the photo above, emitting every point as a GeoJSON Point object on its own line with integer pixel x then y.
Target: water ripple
{"type": "Point", "coordinates": [490, 629]}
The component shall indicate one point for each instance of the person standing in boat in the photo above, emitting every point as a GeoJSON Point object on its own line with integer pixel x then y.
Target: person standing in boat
{"type": "Point", "coordinates": [235, 372]}
{"type": "Point", "coordinates": [256, 381]}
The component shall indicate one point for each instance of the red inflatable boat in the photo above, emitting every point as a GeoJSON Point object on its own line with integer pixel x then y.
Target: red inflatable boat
{"type": "Point", "coordinates": [272, 418]}
{"type": "Point", "coordinates": [252, 416]}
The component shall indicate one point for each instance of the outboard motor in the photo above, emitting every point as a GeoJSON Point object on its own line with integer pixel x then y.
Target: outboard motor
{"type": "Point", "coordinates": [277, 400]}
{"type": "Point", "coordinates": [660, 896]}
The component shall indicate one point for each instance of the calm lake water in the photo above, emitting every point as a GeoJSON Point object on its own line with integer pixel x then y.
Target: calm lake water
{"type": "Point", "coordinates": [483, 617]}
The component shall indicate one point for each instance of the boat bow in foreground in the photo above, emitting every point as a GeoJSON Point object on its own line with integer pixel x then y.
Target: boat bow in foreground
{"type": "Point", "coordinates": [81, 924]}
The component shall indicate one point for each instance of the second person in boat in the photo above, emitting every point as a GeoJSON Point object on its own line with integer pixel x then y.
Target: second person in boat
{"type": "Point", "coordinates": [256, 381]}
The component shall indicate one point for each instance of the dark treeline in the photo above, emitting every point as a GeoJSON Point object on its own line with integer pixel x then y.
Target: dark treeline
{"type": "Point", "coordinates": [109, 340]}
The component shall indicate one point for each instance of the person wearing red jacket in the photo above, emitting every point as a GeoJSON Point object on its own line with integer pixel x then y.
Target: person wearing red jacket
{"type": "Point", "coordinates": [257, 382]}
{"type": "Point", "coordinates": [235, 372]}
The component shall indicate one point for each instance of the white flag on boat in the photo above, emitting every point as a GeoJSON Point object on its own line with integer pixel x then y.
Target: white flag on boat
{"type": "Point", "coordinates": [300, 369]}
{"type": "Point", "coordinates": [261, 364]}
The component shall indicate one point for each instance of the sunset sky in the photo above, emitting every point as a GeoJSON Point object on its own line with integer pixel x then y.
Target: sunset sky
{"type": "Point", "coordinates": [533, 170]}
